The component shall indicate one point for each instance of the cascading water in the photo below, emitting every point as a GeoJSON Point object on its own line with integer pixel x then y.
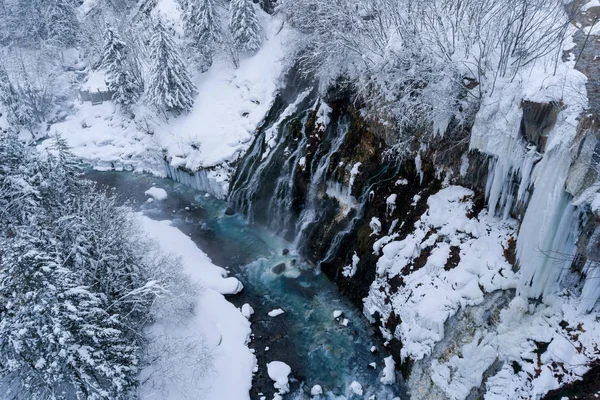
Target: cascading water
{"type": "Point", "coordinates": [318, 176]}
{"type": "Point", "coordinates": [266, 163]}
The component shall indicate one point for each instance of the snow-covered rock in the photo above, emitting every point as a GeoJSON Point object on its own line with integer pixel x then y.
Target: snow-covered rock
{"type": "Point", "coordinates": [247, 310]}
{"type": "Point", "coordinates": [279, 372]}
{"type": "Point", "coordinates": [356, 388]}
{"type": "Point", "coordinates": [316, 390]}
{"type": "Point", "coordinates": [389, 371]}
{"type": "Point", "coordinates": [274, 313]}
{"type": "Point", "coordinates": [157, 193]}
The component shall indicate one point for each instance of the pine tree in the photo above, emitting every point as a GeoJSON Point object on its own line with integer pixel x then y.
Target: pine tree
{"type": "Point", "coordinates": [126, 90]}
{"type": "Point", "coordinates": [9, 97]}
{"type": "Point", "coordinates": [56, 339]}
{"type": "Point", "coordinates": [244, 25]}
{"type": "Point", "coordinates": [171, 88]}
{"type": "Point", "coordinates": [203, 27]}
{"type": "Point", "coordinates": [62, 24]}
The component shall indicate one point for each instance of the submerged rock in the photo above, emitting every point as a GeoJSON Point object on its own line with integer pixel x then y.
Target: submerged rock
{"type": "Point", "coordinates": [230, 211]}
{"type": "Point", "coordinates": [279, 269]}
{"type": "Point", "coordinates": [285, 252]}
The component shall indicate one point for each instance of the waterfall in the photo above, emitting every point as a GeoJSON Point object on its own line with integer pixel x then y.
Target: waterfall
{"type": "Point", "coordinates": [267, 149]}
{"type": "Point", "coordinates": [319, 168]}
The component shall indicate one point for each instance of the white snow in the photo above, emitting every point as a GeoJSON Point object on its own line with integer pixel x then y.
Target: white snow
{"type": "Point", "coordinates": [353, 173]}
{"type": "Point", "coordinates": [391, 203]}
{"type": "Point", "coordinates": [216, 325]}
{"type": "Point", "coordinates": [274, 313]}
{"type": "Point", "coordinates": [337, 314]}
{"type": "Point", "coordinates": [375, 226]}
{"type": "Point", "coordinates": [596, 203]}
{"type": "Point", "coordinates": [279, 371]}
{"type": "Point", "coordinates": [156, 193]}
{"type": "Point", "coordinates": [431, 294]}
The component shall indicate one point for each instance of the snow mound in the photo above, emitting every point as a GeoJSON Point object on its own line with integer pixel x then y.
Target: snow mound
{"type": "Point", "coordinates": [217, 323]}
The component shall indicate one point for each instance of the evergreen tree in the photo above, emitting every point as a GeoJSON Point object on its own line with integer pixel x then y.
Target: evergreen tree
{"type": "Point", "coordinates": [203, 27]}
{"type": "Point", "coordinates": [9, 97]}
{"type": "Point", "coordinates": [56, 339]}
{"type": "Point", "coordinates": [244, 25]}
{"type": "Point", "coordinates": [62, 24]}
{"type": "Point", "coordinates": [171, 88]}
{"type": "Point", "coordinates": [126, 90]}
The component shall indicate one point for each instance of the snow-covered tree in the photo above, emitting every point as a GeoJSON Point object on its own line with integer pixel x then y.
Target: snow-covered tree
{"type": "Point", "coordinates": [203, 26]}
{"type": "Point", "coordinates": [78, 283]}
{"type": "Point", "coordinates": [126, 89]}
{"type": "Point", "coordinates": [244, 25]}
{"type": "Point", "coordinates": [9, 97]}
{"type": "Point", "coordinates": [171, 88]}
{"type": "Point", "coordinates": [62, 24]}
{"type": "Point", "coordinates": [57, 341]}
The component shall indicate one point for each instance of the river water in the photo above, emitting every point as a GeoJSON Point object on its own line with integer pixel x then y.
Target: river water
{"type": "Point", "coordinates": [319, 349]}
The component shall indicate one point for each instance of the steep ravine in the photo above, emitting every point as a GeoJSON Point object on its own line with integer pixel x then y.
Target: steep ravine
{"type": "Point", "coordinates": [318, 174]}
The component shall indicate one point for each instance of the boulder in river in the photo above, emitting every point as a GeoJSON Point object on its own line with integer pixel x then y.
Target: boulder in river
{"type": "Point", "coordinates": [279, 269]}
{"type": "Point", "coordinates": [229, 211]}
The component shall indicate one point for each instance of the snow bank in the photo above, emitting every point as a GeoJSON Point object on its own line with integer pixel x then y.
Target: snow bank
{"type": "Point", "coordinates": [279, 371]}
{"type": "Point", "coordinates": [223, 329]}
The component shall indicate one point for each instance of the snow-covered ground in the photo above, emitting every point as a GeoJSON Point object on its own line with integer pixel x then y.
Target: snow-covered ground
{"type": "Point", "coordinates": [230, 104]}
{"type": "Point", "coordinates": [207, 356]}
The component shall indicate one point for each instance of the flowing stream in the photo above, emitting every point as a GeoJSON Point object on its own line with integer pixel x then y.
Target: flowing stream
{"type": "Point", "coordinates": [320, 349]}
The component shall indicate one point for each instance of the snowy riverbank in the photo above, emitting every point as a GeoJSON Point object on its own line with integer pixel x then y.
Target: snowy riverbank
{"type": "Point", "coordinates": [217, 327]}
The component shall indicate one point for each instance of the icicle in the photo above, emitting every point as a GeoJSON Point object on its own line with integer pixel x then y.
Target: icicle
{"type": "Point", "coordinates": [547, 235]}
{"type": "Point", "coordinates": [199, 180]}
{"type": "Point", "coordinates": [418, 167]}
